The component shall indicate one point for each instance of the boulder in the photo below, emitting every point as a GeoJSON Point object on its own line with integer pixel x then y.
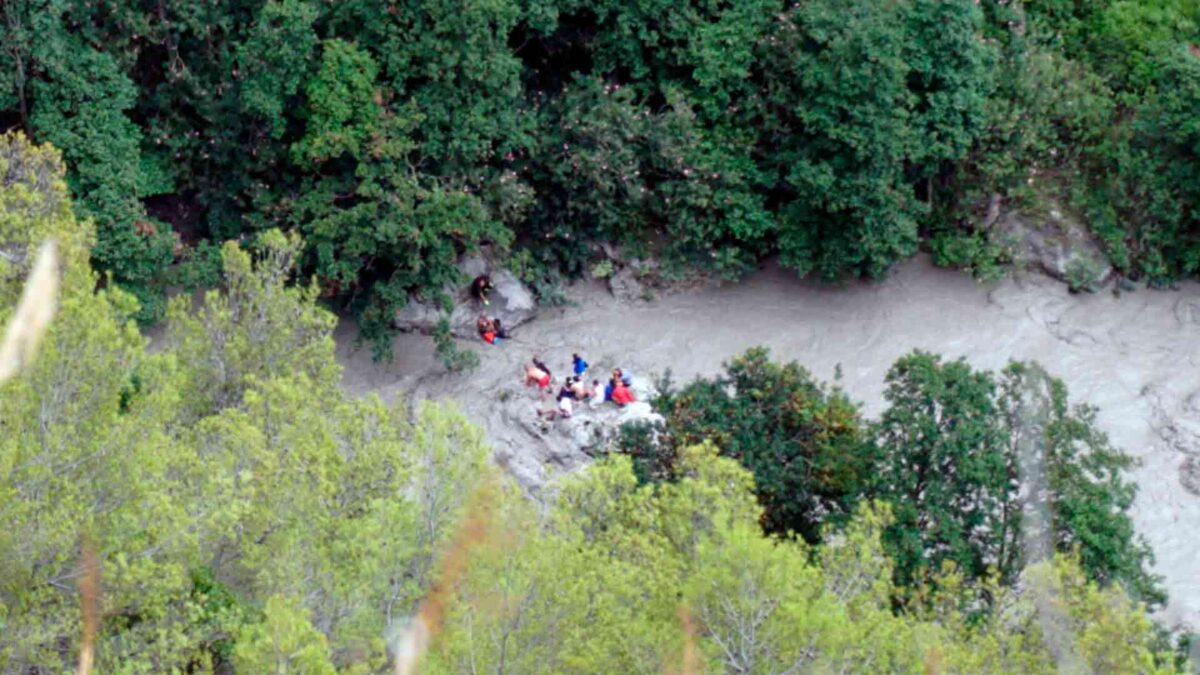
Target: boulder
{"type": "Point", "coordinates": [534, 449]}
{"type": "Point", "coordinates": [511, 302]}
{"type": "Point", "coordinates": [1057, 244]}
{"type": "Point", "coordinates": [625, 286]}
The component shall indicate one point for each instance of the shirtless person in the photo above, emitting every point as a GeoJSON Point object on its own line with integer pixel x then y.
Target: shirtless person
{"type": "Point", "coordinates": [534, 374]}
{"type": "Point", "coordinates": [582, 390]}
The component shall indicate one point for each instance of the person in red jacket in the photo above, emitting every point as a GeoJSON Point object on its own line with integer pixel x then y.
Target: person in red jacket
{"type": "Point", "coordinates": [621, 395]}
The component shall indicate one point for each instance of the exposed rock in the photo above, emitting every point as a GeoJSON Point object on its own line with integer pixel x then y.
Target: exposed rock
{"type": "Point", "coordinates": [510, 301]}
{"type": "Point", "coordinates": [1059, 245]}
{"type": "Point", "coordinates": [625, 286]}
{"type": "Point", "coordinates": [591, 428]}
{"type": "Point", "coordinates": [534, 448]}
{"type": "Point", "coordinates": [1189, 474]}
{"type": "Point", "coordinates": [993, 210]}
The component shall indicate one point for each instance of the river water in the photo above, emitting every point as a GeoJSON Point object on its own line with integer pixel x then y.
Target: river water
{"type": "Point", "coordinates": [1133, 356]}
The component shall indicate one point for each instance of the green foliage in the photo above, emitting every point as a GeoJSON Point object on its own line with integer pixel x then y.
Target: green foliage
{"type": "Point", "coordinates": [245, 512]}
{"type": "Point", "coordinates": [371, 218]}
{"type": "Point", "coordinates": [952, 471]}
{"type": "Point", "coordinates": [804, 442]}
{"type": "Point", "coordinates": [837, 135]}
{"type": "Point", "coordinates": [81, 104]}
{"type": "Point", "coordinates": [972, 251]}
{"type": "Point", "coordinates": [602, 269]}
{"type": "Point", "coordinates": [35, 206]}
{"type": "Point", "coordinates": [285, 641]}
{"type": "Point", "coordinates": [944, 470]}
{"type": "Point", "coordinates": [1088, 496]}
{"type": "Point", "coordinates": [255, 328]}
{"type": "Point", "coordinates": [619, 576]}
{"type": "Point", "coordinates": [847, 205]}
{"type": "Point", "coordinates": [248, 515]}
{"type": "Point", "coordinates": [452, 356]}
{"type": "Point", "coordinates": [275, 58]}
{"type": "Point", "coordinates": [945, 454]}
{"type": "Point", "coordinates": [1160, 168]}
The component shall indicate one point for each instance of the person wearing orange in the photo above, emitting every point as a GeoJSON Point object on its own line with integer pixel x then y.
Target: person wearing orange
{"type": "Point", "coordinates": [621, 395]}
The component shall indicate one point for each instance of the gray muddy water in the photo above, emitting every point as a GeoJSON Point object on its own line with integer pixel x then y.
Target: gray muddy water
{"type": "Point", "coordinates": [1134, 357]}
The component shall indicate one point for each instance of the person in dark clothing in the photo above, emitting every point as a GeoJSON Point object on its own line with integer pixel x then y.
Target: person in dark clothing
{"type": "Point", "coordinates": [542, 366]}
{"type": "Point", "coordinates": [480, 288]}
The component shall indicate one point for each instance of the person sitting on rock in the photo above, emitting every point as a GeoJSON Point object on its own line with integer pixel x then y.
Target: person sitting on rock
{"type": "Point", "coordinates": [486, 328]}
{"type": "Point", "coordinates": [536, 375]}
{"type": "Point", "coordinates": [579, 364]}
{"type": "Point", "coordinates": [581, 390]}
{"type": "Point", "coordinates": [612, 382]}
{"type": "Point", "coordinates": [564, 410]}
{"type": "Point", "coordinates": [621, 395]}
{"type": "Point", "coordinates": [490, 329]}
{"type": "Point", "coordinates": [480, 288]}
{"type": "Point", "coordinates": [598, 398]}
{"type": "Point", "coordinates": [565, 390]}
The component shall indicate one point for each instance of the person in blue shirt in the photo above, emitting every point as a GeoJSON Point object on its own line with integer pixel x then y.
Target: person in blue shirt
{"type": "Point", "coordinates": [581, 366]}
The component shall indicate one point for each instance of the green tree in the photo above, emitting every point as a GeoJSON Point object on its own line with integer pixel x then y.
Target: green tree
{"type": "Point", "coordinates": [275, 59]}
{"type": "Point", "coordinates": [837, 124]}
{"type": "Point", "coordinates": [378, 230]}
{"type": "Point", "coordinates": [1160, 169]}
{"type": "Point", "coordinates": [952, 469]}
{"type": "Point", "coordinates": [804, 442]}
{"type": "Point", "coordinates": [632, 576]}
{"type": "Point", "coordinates": [944, 470]}
{"type": "Point", "coordinates": [1084, 477]}
{"type": "Point", "coordinates": [284, 643]}
{"type": "Point", "coordinates": [80, 102]}
{"type": "Point", "coordinates": [215, 476]}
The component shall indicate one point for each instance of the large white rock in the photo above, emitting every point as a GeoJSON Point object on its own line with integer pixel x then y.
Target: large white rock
{"type": "Point", "coordinates": [510, 301]}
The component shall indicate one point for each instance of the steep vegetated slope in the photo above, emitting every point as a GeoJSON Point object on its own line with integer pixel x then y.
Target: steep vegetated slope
{"type": "Point", "coordinates": [840, 135]}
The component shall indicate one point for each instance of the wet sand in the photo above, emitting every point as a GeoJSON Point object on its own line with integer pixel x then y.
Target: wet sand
{"type": "Point", "coordinates": [1134, 357]}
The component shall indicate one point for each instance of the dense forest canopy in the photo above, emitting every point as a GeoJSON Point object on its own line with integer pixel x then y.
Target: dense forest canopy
{"type": "Point", "coordinates": [839, 135]}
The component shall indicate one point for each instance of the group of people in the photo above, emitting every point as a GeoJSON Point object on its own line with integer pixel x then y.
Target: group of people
{"type": "Point", "coordinates": [575, 388]}
{"type": "Point", "coordinates": [490, 329]}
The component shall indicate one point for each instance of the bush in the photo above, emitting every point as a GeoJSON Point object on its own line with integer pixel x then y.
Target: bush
{"type": "Point", "coordinates": [804, 441]}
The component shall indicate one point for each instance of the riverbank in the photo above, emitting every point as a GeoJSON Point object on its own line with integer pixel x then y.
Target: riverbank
{"type": "Point", "coordinates": [1134, 357]}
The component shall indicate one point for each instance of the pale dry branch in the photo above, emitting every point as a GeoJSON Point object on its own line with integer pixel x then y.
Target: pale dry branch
{"type": "Point", "coordinates": [34, 312]}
